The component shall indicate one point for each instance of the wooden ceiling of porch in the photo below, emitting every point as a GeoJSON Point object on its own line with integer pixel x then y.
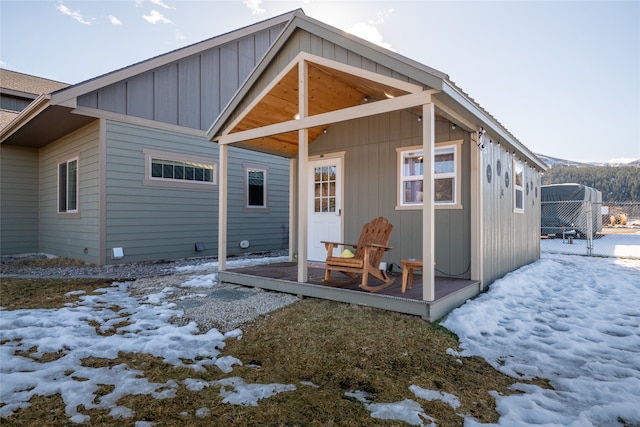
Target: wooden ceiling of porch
{"type": "Point", "coordinates": [328, 90]}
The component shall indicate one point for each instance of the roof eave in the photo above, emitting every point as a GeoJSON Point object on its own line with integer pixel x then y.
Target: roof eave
{"type": "Point", "coordinates": [32, 110]}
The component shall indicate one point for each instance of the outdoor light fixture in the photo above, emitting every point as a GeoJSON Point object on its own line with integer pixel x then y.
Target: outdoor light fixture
{"type": "Point", "coordinates": [419, 118]}
{"type": "Point", "coordinates": [324, 130]}
{"type": "Point", "coordinates": [453, 126]}
{"type": "Point", "coordinates": [296, 116]}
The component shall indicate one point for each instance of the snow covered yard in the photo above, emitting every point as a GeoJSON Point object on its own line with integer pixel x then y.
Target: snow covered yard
{"type": "Point", "coordinates": [572, 320]}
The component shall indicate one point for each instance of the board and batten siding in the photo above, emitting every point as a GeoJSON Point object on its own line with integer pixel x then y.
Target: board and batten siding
{"type": "Point", "coordinates": [19, 200]}
{"type": "Point", "coordinates": [371, 187]}
{"type": "Point", "coordinates": [190, 92]}
{"type": "Point", "coordinates": [72, 235]}
{"type": "Point", "coordinates": [510, 240]}
{"type": "Point", "coordinates": [152, 222]}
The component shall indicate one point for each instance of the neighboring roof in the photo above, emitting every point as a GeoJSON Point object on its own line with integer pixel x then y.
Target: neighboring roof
{"type": "Point", "coordinates": [27, 84]}
{"type": "Point", "coordinates": [6, 117]}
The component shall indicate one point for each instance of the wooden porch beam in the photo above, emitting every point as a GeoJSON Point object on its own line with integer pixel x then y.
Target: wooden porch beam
{"type": "Point", "coordinates": [345, 114]}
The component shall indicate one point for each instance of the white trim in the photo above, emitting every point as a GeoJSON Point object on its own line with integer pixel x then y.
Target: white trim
{"type": "Point", "coordinates": [428, 213]}
{"type": "Point", "coordinates": [518, 165]}
{"type": "Point", "coordinates": [305, 57]}
{"type": "Point", "coordinates": [265, 204]}
{"type": "Point", "coordinates": [73, 158]}
{"type": "Point", "coordinates": [457, 175]}
{"type": "Point", "coordinates": [345, 114]}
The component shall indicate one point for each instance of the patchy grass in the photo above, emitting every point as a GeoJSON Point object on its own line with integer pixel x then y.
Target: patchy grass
{"type": "Point", "coordinates": [17, 294]}
{"type": "Point", "coordinates": [324, 348]}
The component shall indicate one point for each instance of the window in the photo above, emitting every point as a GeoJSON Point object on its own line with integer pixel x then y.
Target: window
{"type": "Point", "coordinates": [446, 170]}
{"type": "Point", "coordinates": [444, 173]}
{"type": "Point", "coordinates": [256, 188]}
{"type": "Point", "coordinates": [177, 170]}
{"type": "Point", "coordinates": [518, 187]}
{"type": "Point", "coordinates": [68, 186]}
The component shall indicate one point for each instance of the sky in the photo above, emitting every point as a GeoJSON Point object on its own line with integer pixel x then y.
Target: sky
{"type": "Point", "coordinates": [562, 76]}
{"type": "Point", "coordinates": [570, 319]}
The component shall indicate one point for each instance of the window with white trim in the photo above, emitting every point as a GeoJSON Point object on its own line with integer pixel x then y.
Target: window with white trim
{"type": "Point", "coordinates": [446, 175]}
{"type": "Point", "coordinates": [256, 190]}
{"type": "Point", "coordinates": [518, 187]}
{"type": "Point", "coordinates": [68, 186]}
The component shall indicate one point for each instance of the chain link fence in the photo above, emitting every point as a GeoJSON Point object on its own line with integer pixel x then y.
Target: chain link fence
{"type": "Point", "coordinates": [591, 228]}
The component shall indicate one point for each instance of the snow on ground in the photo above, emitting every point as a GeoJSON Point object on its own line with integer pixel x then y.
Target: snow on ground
{"type": "Point", "coordinates": [573, 320]}
{"type": "Point", "coordinates": [570, 319]}
{"type": "Point", "coordinates": [616, 245]}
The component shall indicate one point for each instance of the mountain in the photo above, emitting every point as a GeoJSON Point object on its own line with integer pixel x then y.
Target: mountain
{"type": "Point", "coordinates": [554, 161]}
{"type": "Point", "coordinates": [618, 181]}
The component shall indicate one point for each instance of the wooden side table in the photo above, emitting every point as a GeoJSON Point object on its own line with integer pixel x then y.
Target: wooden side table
{"type": "Point", "coordinates": [408, 265]}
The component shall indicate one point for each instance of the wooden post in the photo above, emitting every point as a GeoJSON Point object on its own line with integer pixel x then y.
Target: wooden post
{"type": "Point", "coordinates": [222, 207]}
{"type": "Point", "coordinates": [428, 140]}
{"type": "Point", "coordinates": [303, 165]}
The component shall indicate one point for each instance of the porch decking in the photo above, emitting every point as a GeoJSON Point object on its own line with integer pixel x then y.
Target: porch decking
{"type": "Point", "coordinates": [282, 277]}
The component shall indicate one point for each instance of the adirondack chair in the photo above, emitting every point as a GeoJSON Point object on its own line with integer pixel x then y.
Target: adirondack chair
{"type": "Point", "coordinates": [371, 246]}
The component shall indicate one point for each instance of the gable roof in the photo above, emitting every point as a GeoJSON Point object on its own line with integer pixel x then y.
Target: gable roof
{"type": "Point", "coordinates": [450, 101]}
{"type": "Point", "coordinates": [55, 111]}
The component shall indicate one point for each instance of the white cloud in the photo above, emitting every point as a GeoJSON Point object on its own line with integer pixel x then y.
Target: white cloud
{"type": "Point", "coordinates": [180, 36]}
{"type": "Point", "coordinates": [75, 15]}
{"type": "Point", "coordinates": [254, 6]}
{"type": "Point", "coordinates": [161, 4]}
{"type": "Point", "coordinates": [154, 17]}
{"type": "Point", "coordinates": [114, 20]}
{"type": "Point", "coordinates": [369, 32]}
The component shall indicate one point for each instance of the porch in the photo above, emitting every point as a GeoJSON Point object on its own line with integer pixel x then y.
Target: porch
{"type": "Point", "coordinates": [282, 277]}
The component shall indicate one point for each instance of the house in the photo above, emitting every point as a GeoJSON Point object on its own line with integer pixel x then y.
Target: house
{"type": "Point", "coordinates": [371, 133]}
{"type": "Point", "coordinates": [119, 168]}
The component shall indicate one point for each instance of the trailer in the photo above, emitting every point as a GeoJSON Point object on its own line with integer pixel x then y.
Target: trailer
{"type": "Point", "coordinates": [570, 209]}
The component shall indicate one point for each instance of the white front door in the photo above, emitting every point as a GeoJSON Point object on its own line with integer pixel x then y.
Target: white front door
{"type": "Point", "coordinates": [325, 205]}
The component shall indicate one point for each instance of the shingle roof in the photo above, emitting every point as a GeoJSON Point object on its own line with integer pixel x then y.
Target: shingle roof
{"type": "Point", "coordinates": [28, 84]}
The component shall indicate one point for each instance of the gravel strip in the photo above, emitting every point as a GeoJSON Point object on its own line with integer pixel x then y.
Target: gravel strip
{"type": "Point", "coordinates": [223, 306]}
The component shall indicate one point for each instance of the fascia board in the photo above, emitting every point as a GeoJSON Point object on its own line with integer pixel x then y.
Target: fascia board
{"type": "Point", "coordinates": [63, 97]}
{"type": "Point", "coordinates": [253, 77]}
{"type": "Point", "coordinates": [391, 60]}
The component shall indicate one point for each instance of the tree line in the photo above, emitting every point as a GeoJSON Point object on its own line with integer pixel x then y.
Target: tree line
{"type": "Point", "coordinates": [617, 184]}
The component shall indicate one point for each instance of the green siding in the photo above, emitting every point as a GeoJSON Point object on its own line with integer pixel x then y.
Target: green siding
{"type": "Point", "coordinates": [18, 200]}
{"type": "Point", "coordinates": [73, 236]}
{"type": "Point", "coordinates": [158, 222]}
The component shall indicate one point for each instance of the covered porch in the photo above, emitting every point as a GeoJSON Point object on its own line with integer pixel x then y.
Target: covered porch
{"type": "Point", "coordinates": [282, 277]}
